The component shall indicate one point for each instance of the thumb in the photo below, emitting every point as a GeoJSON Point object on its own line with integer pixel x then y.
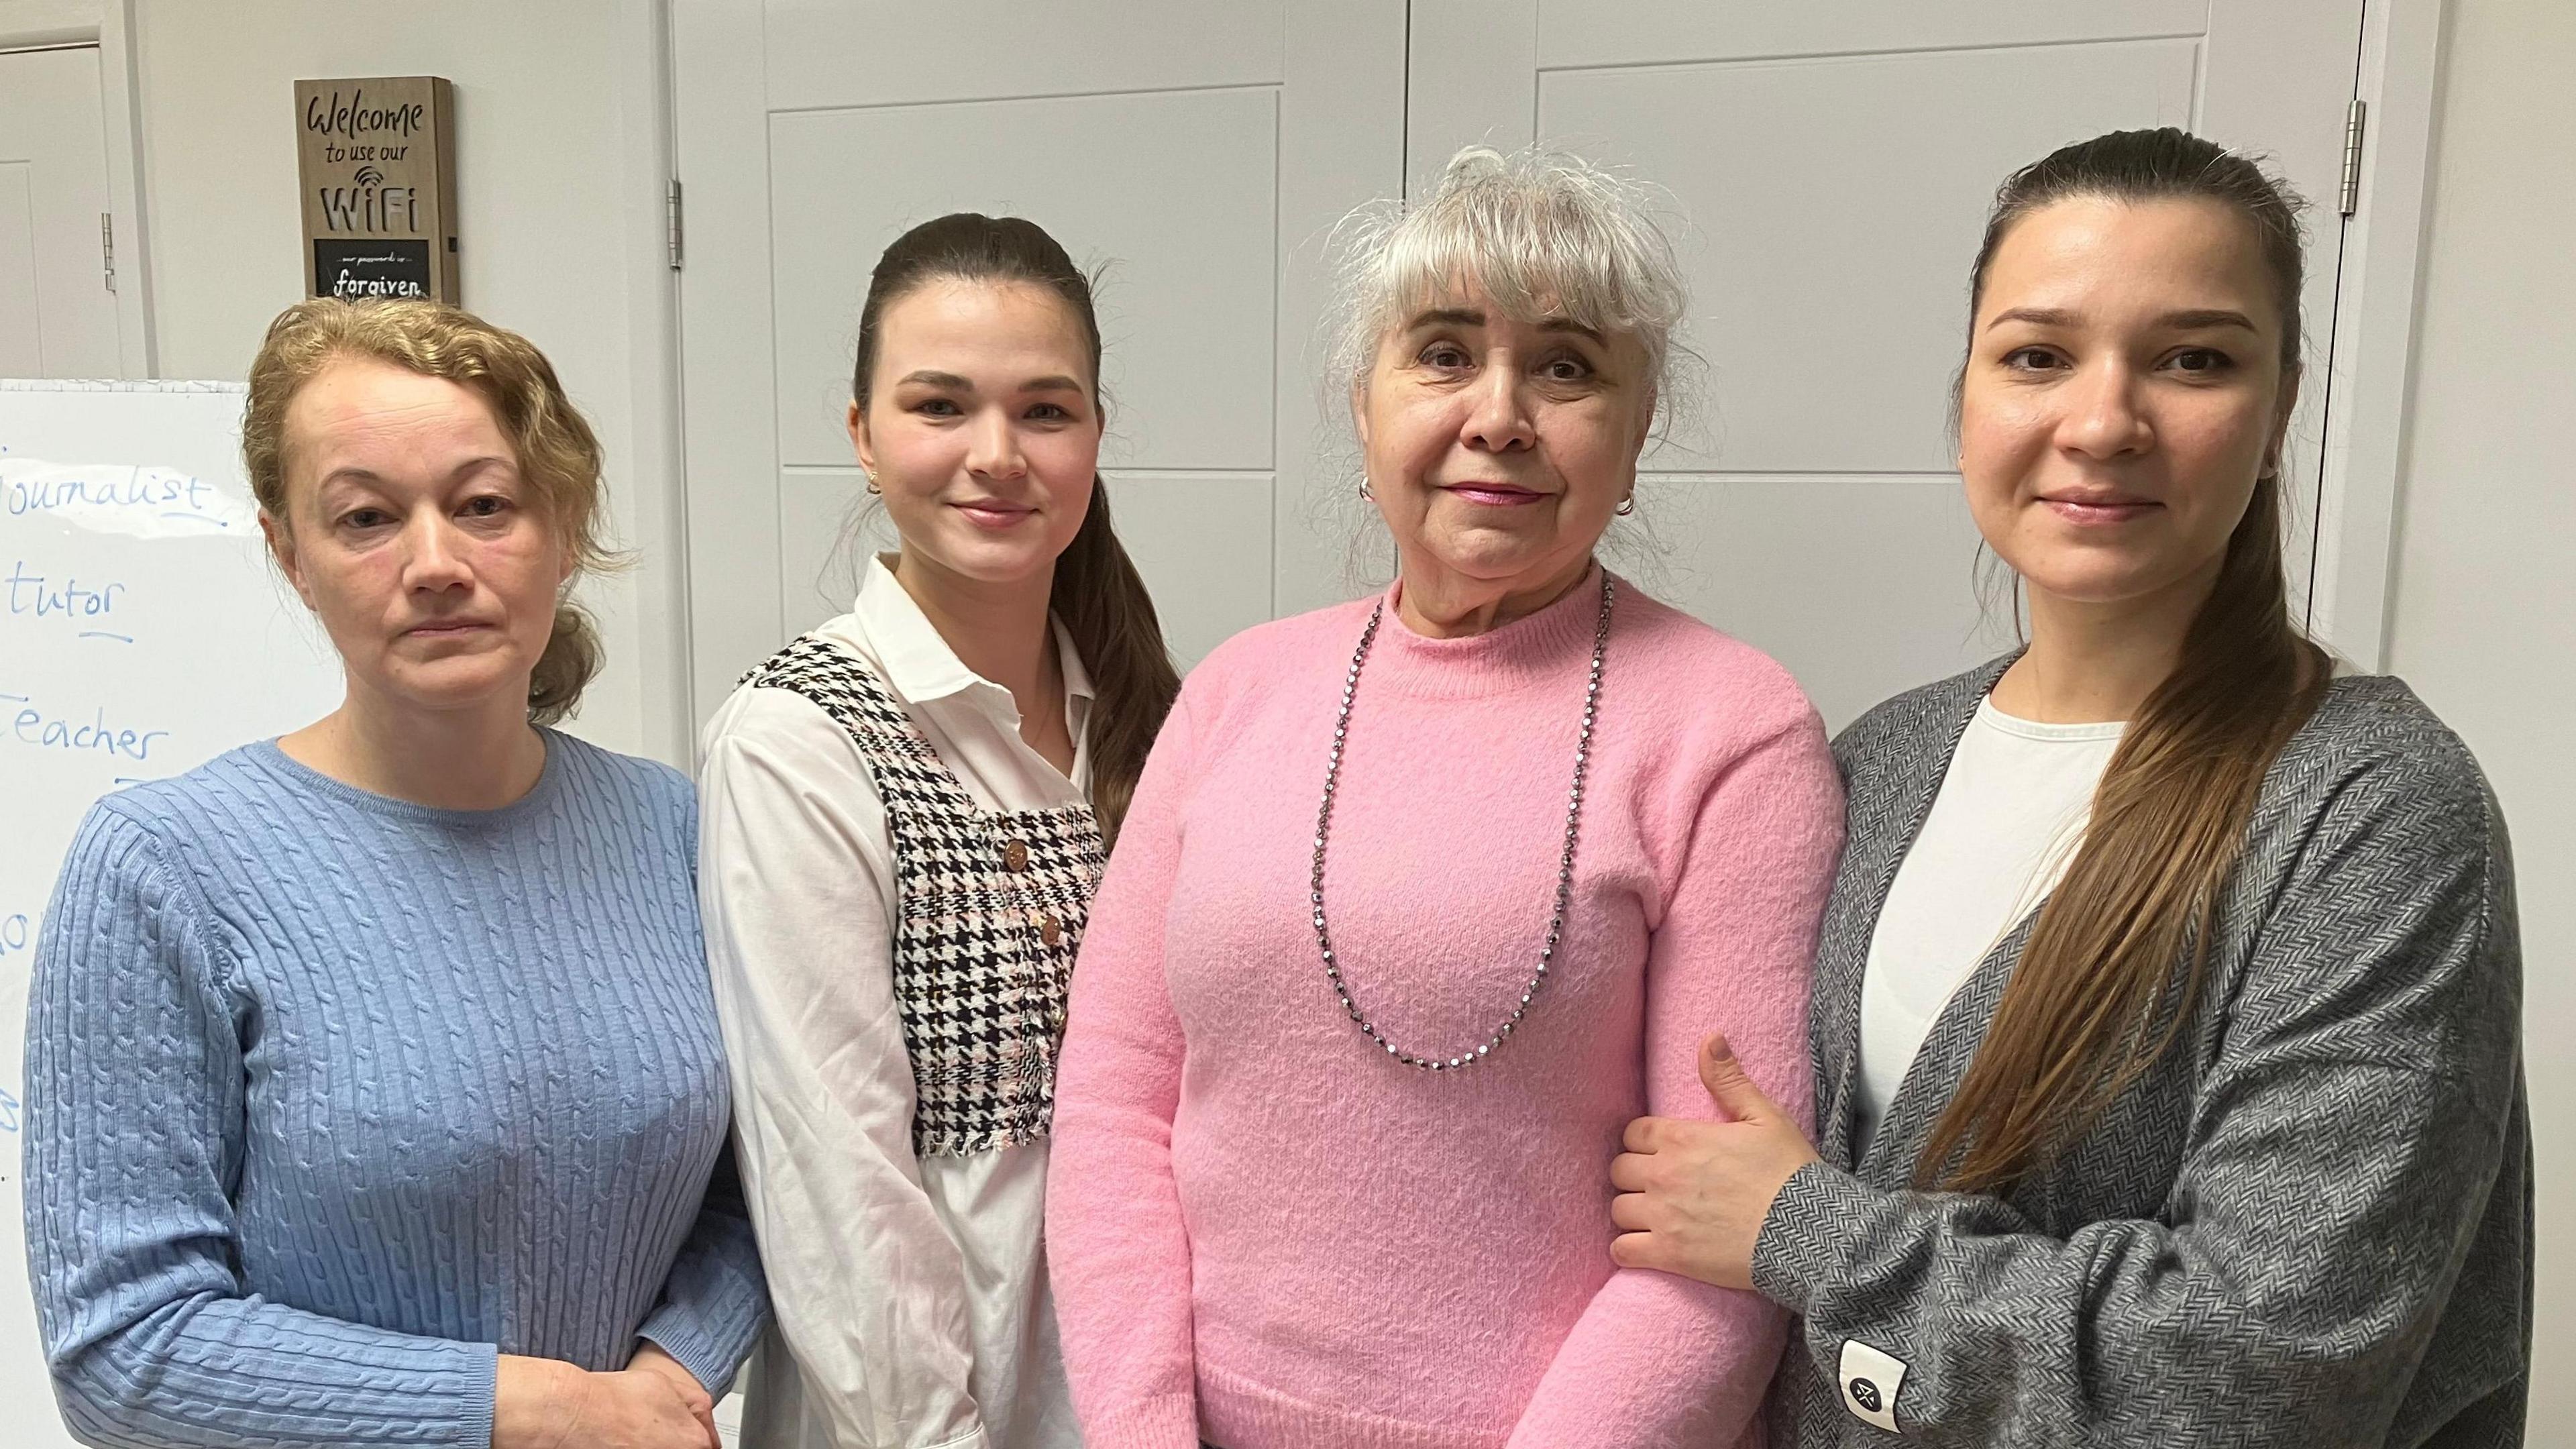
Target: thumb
{"type": "Point", "coordinates": [1728, 1084]}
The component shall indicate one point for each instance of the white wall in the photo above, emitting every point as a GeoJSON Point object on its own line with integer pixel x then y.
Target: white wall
{"type": "Point", "coordinates": [559, 138]}
{"type": "Point", "coordinates": [2485, 588]}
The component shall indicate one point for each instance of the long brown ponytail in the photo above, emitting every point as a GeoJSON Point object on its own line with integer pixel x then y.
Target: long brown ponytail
{"type": "Point", "coordinates": [2078, 1021]}
{"type": "Point", "coordinates": [1097, 591]}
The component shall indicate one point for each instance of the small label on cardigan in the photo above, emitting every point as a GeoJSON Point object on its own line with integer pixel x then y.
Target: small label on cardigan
{"type": "Point", "coordinates": [1870, 1378]}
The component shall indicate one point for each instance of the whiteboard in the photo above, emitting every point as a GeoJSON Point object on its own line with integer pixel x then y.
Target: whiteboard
{"type": "Point", "coordinates": [142, 632]}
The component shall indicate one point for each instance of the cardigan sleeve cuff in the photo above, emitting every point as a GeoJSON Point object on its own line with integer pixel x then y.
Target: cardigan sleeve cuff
{"type": "Point", "coordinates": [1807, 1233]}
{"type": "Point", "coordinates": [1170, 1421]}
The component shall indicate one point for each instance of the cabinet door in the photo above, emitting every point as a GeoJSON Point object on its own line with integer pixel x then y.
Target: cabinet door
{"type": "Point", "coordinates": [57, 316]}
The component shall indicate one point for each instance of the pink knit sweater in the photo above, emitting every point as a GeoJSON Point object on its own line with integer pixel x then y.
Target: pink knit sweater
{"type": "Point", "coordinates": [1264, 1229]}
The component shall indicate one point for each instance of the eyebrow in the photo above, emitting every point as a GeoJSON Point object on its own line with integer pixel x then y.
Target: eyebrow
{"type": "Point", "coordinates": [2036, 316]}
{"type": "Point", "coordinates": [2185, 320]}
{"type": "Point", "coordinates": [369, 478]}
{"type": "Point", "coordinates": [2206, 317]}
{"type": "Point", "coordinates": [1052, 382]}
{"type": "Point", "coordinates": [357, 477]}
{"type": "Point", "coordinates": [1471, 317]}
{"type": "Point", "coordinates": [1447, 317]}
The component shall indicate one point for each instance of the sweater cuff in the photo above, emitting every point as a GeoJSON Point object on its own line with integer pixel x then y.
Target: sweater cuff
{"type": "Point", "coordinates": [710, 1357]}
{"type": "Point", "coordinates": [1168, 1422]}
{"type": "Point", "coordinates": [1806, 1234]}
{"type": "Point", "coordinates": [482, 1395]}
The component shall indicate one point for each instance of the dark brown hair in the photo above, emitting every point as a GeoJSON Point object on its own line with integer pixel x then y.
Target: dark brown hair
{"type": "Point", "coordinates": [2079, 1020]}
{"type": "Point", "coordinates": [1097, 592]}
{"type": "Point", "coordinates": [558, 455]}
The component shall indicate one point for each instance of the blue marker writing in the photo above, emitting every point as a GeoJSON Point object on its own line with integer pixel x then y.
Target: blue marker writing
{"type": "Point", "coordinates": [154, 488]}
{"type": "Point", "coordinates": [32, 726]}
{"type": "Point", "coordinates": [38, 596]}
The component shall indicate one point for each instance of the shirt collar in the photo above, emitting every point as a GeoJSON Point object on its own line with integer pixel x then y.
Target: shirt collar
{"type": "Point", "coordinates": [919, 663]}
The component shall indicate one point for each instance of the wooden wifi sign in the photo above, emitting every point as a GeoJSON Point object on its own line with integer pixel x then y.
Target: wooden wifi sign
{"type": "Point", "coordinates": [377, 159]}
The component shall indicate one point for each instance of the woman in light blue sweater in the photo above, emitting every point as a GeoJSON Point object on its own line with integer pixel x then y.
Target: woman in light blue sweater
{"type": "Point", "coordinates": [375, 1094]}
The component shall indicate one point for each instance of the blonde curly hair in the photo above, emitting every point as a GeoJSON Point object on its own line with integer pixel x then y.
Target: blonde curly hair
{"type": "Point", "coordinates": [558, 455]}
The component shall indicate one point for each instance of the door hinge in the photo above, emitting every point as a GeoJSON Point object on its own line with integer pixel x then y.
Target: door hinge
{"type": "Point", "coordinates": [2355, 123]}
{"type": "Point", "coordinates": [673, 206]}
{"type": "Point", "coordinates": [107, 248]}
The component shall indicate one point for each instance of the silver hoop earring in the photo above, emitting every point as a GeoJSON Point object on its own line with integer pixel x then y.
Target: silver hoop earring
{"type": "Point", "coordinates": [1365, 493]}
{"type": "Point", "coordinates": [1627, 505]}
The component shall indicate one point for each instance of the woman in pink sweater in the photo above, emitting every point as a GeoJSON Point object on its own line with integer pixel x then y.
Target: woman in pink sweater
{"type": "Point", "coordinates": [1423, 897]}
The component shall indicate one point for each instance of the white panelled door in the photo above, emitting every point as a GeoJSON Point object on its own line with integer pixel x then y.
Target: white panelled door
{"type": "Point", "coordinates": [57, 316]}
{"type": "Point", "coordinates": [1833, 164]}
{"type": "Point", "coordinates": [1193, 146]}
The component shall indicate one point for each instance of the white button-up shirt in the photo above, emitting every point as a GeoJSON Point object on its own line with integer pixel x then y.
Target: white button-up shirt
{"type": "Point", "coordinates": [910, 1293]}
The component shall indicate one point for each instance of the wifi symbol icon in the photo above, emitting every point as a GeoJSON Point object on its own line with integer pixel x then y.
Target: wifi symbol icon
{"type": "Point", "coordinates": [369, 176]}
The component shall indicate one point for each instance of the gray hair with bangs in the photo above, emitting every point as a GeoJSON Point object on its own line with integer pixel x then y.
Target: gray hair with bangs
{"type": "Point", "coordinates": [1545, 234]}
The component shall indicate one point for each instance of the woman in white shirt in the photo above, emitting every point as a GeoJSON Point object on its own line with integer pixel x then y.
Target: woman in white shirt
{"type": "Point", "coordinates": [904, 814]}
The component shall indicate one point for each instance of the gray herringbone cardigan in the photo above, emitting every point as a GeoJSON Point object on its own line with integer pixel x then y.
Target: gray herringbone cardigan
{"type": "Point", "coordinates": [2310, 1224]}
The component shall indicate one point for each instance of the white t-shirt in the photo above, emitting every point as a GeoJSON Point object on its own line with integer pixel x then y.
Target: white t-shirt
{"type": "Point", "coordinates": [2010, 813]}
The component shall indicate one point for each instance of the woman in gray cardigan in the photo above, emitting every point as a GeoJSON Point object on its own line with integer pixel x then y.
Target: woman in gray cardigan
{"type": "Point", "coordinates": [2166, 1016]}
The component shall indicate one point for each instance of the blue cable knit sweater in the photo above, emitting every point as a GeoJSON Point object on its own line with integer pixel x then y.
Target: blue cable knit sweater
{"type": "Point", "coordinates": [332, 1098]}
